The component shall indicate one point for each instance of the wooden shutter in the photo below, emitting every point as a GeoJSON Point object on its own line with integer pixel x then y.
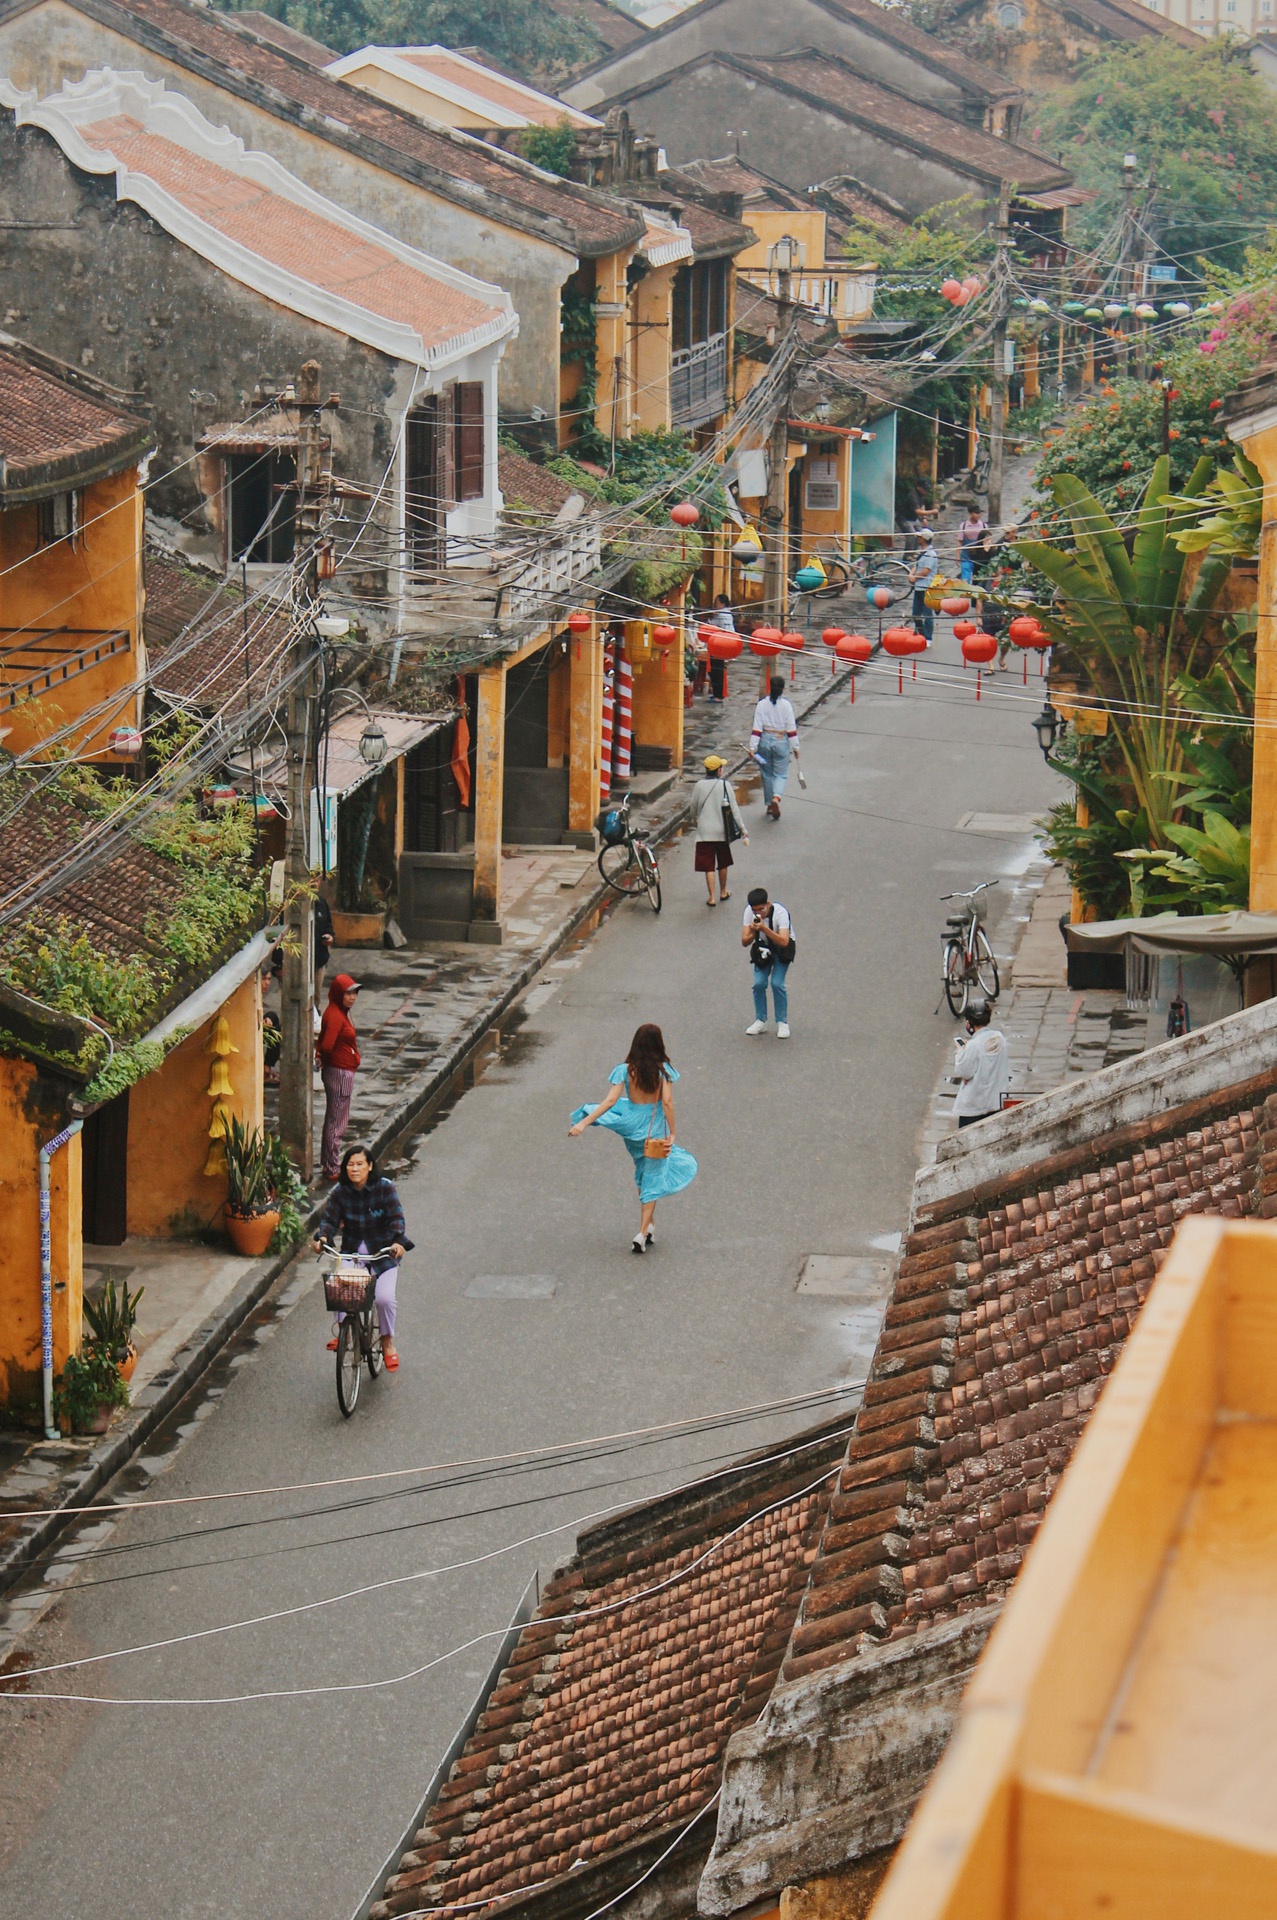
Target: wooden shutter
{"type": "Point", "coordinates": [445, 448]}
{"type": "Point", "coordinates": [470, 444]}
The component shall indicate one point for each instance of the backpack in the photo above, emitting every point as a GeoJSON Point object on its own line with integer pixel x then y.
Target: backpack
{"type": "Point", "coordinates": [764, 954]}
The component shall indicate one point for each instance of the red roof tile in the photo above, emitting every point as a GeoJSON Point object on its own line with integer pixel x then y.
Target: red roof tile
{"type": "Point", "coordinates": [193, 624]}
{"type": "Point", "coordinates": [318, 251]}
{"type": "Point", "coordinates": [52, 433]}
{"type": "Point", "coordinates": [490, 84]}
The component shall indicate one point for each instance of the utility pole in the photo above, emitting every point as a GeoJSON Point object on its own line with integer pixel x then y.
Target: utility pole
{"type": "Point", "coordinates": [998, 390]}
{"type": "Point", "coordinates": [774, 597]}
{"type": "Point", "coordinates": [1125, 326]}
{"type": "Point", "coordinates": [297, 1052]}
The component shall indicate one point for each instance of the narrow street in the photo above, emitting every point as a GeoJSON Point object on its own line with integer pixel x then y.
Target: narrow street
{"type": "Point", "coordinates": [525, 1322]}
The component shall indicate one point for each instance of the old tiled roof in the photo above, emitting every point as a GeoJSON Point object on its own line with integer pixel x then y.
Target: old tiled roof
{"type": "Point", "coordinates": [1128, 20]}
{"type": "Point", "coordinates": [731, 175]}
{"type": "Point", "coordinates": [608, 1725]}
{"type": "Point", "coordinates": [530, 487]}
{"type": "Point", "coordinates": [714, 234]}
{"type": "Point", "coordinates": [846, 199]}
{"type": "Point", "coordinates": [758, 311]}
{"type": "Point", "coordinates": [1008, 1315]}
{"type": "Point", "coordinates": [453, 165]}
{"type": "Point", "coordinates": [319, 251]}
{"type": "Point", "coordinates": [53, 433]}
{"type": "Point", "coordinates": [830, 83]}
{"type": "Point", "coordinates": [490, 84]}
{"type": "Point", "coordinates": [193, 624]}
{"type": "Point", "coordinates": [1257, 393]}
{"type": "Point", "coordinates": [277, 33]}
{"type": "Point", "coordinates": [613, 26]}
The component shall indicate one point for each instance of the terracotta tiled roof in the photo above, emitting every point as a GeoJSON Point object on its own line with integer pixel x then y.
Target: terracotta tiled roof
{"type": "Point", "coordinates": [183, 605]}
{"type": "Point", "coordinates": [614, 27]}
{"type": "Point", "coordinates": [607, 1728]}
{"type": "Point", "coordinates": [732, 175]}
{"type": "Point", "coordinates": [318, 251]}
{"type": "Point", "coordinates": [530, 487]}
{"type": "Point", "coordinates": [1006, 1319]}
{"type": "Point", "coordinates": [453, 165]}
{"type": "Point", "coordinates": [714, 234]}
{"type": "Point", "coordinates": [52, 433]}
{"type": "Point", "coordinates": [277, 33]}
{"type": "Point", "coordinates": [829, 82]}
{"type": "Point", "coordinates": [489, 84]}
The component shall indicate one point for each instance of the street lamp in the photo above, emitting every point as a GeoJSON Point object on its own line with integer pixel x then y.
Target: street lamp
{"type": "Point", "coordinates": [1047, 727]}
{"type": "Point", "coordinates": [372, 744]}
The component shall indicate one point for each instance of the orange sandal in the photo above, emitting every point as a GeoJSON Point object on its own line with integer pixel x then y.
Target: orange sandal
{"type": "Point", "coordinates": [392, 1362]}
{"type": "Point", "coordinates": [332, 1344]}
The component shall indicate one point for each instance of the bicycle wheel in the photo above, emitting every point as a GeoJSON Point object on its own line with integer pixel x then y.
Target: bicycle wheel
{"type": "Point", "coordinates": [956, 984]}
{"type": "Point", "coordinates": [372, 1344]}
{"type": "Point", "coordinates": [651, 876]}
{"type": "Point", "coordinates": [986, 967]}
{"type": "Point", "coordinates": [349, 1365]}
{"type": "Point", "coordinates": [620, 869]}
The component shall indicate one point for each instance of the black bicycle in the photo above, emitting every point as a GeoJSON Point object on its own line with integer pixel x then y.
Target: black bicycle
{"type": "Point", "coordinates": [350, 1288]}
{"type": "Point", "coordinates": [626, 861]}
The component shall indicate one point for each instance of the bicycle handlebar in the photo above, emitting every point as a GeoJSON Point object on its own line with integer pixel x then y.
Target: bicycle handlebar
{"type": "Point", "coordinates": [328, 1246]}
{"type": "Point", "coordinates": [971, 893]}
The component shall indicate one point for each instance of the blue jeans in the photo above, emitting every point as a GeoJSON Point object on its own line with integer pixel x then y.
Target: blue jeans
{"type": "Point", "coordinates": [780, 998]}
{"type": "Point", "coordinates": [923, 618]}
{"type": "Point", "coordinates": [773, 757]}
{"type": "Point", "coordinates": [966, 567]}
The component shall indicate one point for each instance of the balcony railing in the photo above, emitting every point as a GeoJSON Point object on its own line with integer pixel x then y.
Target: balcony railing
{"type": "Point", "coordinates": [528, 571]}
{"type": "Point", "coordinates": [34, 662]}
{"type": "Point", "coordinates": [698, 382]}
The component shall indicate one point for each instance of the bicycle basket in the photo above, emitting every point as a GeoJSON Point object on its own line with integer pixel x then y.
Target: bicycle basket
{"type": "Point", "coordinates": [349, 1290]}
{"type": "Point", "coordinates": [611, 826]}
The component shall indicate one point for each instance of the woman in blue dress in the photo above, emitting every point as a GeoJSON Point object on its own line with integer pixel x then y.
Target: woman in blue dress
{"type": "Point", "coordinates": [640, 1108]}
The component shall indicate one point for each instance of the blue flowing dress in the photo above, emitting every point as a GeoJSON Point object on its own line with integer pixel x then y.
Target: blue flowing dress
{"type": "Point", "coordinates": [631, 1119]}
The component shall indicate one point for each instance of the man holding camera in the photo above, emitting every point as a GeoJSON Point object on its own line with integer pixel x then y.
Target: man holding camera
{"type": "Point", "coordinates": [768, 934]}
{"type": "Point", "coordinates": [982, 1067]}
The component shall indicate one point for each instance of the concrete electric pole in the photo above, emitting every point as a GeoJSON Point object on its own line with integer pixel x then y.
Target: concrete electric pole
{"type": "Point", "coordinates": [998, 385]}
{"type": "Point", "coordinates": [774, 514]}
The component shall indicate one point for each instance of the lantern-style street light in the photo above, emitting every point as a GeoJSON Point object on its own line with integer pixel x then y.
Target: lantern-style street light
{"type": "Point", "coordinates": [372, 743]}
{"type": "Point", "coordinates": [1047, 728]}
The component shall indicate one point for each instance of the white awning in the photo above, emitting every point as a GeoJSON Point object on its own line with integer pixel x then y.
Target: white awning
{"type": "Point", "coordinates": [342, 767]}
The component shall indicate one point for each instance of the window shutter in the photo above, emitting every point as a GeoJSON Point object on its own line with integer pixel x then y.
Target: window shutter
{"type": "Point", "coordinates": [470, 442]}
{"type": "Point", "coordinates": [445, 448]}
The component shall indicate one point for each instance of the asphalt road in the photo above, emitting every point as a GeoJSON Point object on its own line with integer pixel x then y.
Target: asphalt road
{"type": "Point", "coordinates": [287, 1803]}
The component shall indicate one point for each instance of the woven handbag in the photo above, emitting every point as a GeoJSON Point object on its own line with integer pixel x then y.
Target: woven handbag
{"type": "Point", "coordinates": [656, 1149]}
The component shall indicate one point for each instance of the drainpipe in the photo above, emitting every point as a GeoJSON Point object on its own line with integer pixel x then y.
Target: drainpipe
{"type": "Point", "coordinates": [47, 1152]}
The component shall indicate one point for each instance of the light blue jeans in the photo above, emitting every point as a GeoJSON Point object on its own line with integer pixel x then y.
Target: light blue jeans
{"type": "Point", "coordinates": [966, 567]}
{"type": "Point", "coordinates": [773, 758]}
{"type": "Point", "coordinates": [780, 998]}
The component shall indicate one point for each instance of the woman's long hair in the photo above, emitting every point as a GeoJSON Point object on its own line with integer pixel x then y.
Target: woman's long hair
{"type": "Point", "coordinates": [646, 1058]}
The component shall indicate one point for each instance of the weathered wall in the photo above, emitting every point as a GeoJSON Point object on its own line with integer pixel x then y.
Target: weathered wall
{"type": "Point", "coordinates": [31, 1112]}
{"type": "Point", "coordinates": [102, 285]}
{"type": "Point", "coordinates": [93, 584]}
{"type": "Point", "coordinates": [701, 112]}
{"type": "Point", "coordinates": [759, 26]}
{"type": "Point", "coordinates": [169, 1112]}
{"type": "Point", "coordinates": [835, 1764]}
{"type": "Point", "coordinates": [53, 43]}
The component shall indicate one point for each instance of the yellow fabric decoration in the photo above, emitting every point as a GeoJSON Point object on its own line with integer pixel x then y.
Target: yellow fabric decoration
{"type": "Point", "coordinates": [217, 1123]}
{"type": "Point", "coordinates": [219, 1040]}
{"type": "Point", "coordinates": [219, 1082]}
{"type": "Point", "coordinates": [216, 1162]}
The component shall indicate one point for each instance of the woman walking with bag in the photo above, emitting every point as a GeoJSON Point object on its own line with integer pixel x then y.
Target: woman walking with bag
{"type": "Point", "coordinates": [718, 823]}
{"type": "Point", "coordinates": [640, 1108]}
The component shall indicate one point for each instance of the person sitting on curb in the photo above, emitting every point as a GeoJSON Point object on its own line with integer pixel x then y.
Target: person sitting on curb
{"type": "Point", "coordinates": [982, 1066]}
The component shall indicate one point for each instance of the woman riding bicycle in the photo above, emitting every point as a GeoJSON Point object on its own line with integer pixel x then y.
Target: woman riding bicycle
{"type": "Point", "coordinates": [366, 1208]}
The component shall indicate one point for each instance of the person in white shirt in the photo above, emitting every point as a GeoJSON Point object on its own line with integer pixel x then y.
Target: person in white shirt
{"type": "Point", "coordinates": [772, 739]}
{"type": "Point", "coordinates": [712, 802]}
{"type": "Point", "coordinates": [982, 1067]}
{"type": "Point", "coordinates": [768, 932]}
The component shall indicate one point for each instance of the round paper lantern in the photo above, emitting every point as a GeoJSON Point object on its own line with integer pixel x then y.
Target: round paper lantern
{"type": "Point", "coordinates": [880, 597]}
{"type": "Point", "coordinates": [126, 741]}
{"type": "Point", "coordinates": [685, 514]}
{"type": "Point", "coordinates": [664, 635]}
{"type": "Point", "coordinates": [807, 579]}
{"type": "Point", "coordinates": [1022, 630]}
{"type": "Point", "coordinates": [765, 641]}
{"type": "Point", "coordinates": [961, 628]}
{"type": "Point", "coordinates": [899, 641]}
{"type": "Point", "coordinates": [854, 646]}
{"type": "Point", "coordinates": [720, 645]}
{"type": "Point", "coordinates": [979, 648]}
{"type": "Point", "coordinates": [580, 623]}
{"type": "Point", "coordinates": [832, 635]}
{"type": "Point", "coordinates": [950, 289]}
{"type": "Point", "coordinates": [954, 603]}
{"type": "Point", "coordinates": [266, 808]}
{"type": "Point", "coordinates": [792, 642]}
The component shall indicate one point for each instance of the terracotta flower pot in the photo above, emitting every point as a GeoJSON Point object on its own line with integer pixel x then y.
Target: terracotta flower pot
{"type": "Point", "coordinates": [128, 1363]}
{"type": "Point", "coordinates": [251, 1233]}
{"type": "Point", "coordinates": [100, 1421]}
{"type": "Point", "coordinates": [358, 929]}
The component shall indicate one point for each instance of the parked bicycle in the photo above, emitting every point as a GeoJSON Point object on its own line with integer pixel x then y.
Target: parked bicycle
{"type": "Point", "coordinates": [350, 1288]}
{"type": "Point", "coordinates": [626, 860]}
{"type": "Point", "coordinates": [968, 958]}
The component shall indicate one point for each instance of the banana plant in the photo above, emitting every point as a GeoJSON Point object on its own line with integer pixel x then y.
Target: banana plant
{"type": "Point", "coordinates": [1233, 506]}
{"type": "Point", "coordinates": [1128, 621]}
{"type": "Point", "coordinates": [1209, 873]}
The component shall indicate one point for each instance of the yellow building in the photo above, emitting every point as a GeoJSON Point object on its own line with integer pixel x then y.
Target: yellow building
{"type": "Point", "coordinates": [71, 655]}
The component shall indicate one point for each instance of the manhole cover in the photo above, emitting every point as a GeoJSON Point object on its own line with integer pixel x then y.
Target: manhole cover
{"type": "Point", "coordinates": [512, 1286]}
{"type": "Point", "coordinates": [1012, 824]}
{"type": "Point", "coordinates": [847, 1274]}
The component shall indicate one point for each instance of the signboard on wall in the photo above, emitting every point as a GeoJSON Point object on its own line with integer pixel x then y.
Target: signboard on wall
{"type": "Point", "coordinates": [822, 493]}
{"type": "Point", "coordinates": [873, 479]}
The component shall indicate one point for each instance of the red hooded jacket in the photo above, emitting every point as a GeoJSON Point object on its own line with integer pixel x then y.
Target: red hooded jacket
{"type": "Point", "coordinates": [336, 1043]}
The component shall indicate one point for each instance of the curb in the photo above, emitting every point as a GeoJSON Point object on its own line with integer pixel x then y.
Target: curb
{"type": "Point", "coordinates": [161, 1395]}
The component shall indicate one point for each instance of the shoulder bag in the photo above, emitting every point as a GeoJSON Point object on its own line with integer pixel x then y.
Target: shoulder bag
{"type": "Point", "coordinates": [732, 828]}
{"type": "Point", "coordinates": [656, 1149]}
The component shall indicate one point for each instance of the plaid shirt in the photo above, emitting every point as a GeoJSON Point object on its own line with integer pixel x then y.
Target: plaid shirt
{"type": "Point", "coordinates": [369, 1215]}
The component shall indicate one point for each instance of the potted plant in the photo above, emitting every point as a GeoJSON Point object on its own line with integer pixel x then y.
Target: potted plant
{"type": "Point", "coordinates": [88, 1390]}
{"type": "Point", "coordinates": [252, 1210]}
{"type": "Point", "coordinates": [111, 1322]}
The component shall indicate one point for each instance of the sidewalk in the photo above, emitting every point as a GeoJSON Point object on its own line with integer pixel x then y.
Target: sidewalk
{"type": "Point", "coordinates": [424, 1015]}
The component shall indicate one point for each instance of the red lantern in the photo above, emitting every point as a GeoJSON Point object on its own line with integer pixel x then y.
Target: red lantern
{"type": "Point", "coordinates": [855, 649]}
{"type": "Point", "coordinates": [765, 641]}
{"type": "Point", "coordinates": [899, 641]}
{"type": "Point", "coordinates": [954, 603]}
{"type": "Point", "coordinates": [720, 645]}
{"type": "Point", "coordinates": [1022, 629]}
{"type": "Point", "coordinates": [663, 635]}
{"type": "Point", "coordinates": [979, 649]}
{"type": "Point", "coordinates": [685, 514]}
{"type": "Point", "coordinates": [950, 289]}
{"type": "Point", "coordinates": [792, 644]}
{"type": "Point", "coordinates": [580, 622]}
{"type": "Point", "coordinates": [881, 598]}
{"type": "Point", "coordinates": [125, 741]}
{"type": "Point", "coordinates": [963, 628]}
{"type": "Point", "coordinates": [832, 635]}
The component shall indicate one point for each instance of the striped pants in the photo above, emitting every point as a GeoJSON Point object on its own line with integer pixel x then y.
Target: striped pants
{"type": "Point", "coordinates": [339, 1085]}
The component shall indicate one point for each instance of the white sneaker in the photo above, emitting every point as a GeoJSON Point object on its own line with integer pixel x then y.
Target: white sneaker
{"type": "Point", "coordinates": [756, 1027]}
{"type": "Point", "coordinates": [782, 1031]}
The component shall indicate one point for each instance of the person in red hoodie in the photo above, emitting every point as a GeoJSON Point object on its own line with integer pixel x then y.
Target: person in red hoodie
{"type": "Point", "coordinates": [338, 1057]}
